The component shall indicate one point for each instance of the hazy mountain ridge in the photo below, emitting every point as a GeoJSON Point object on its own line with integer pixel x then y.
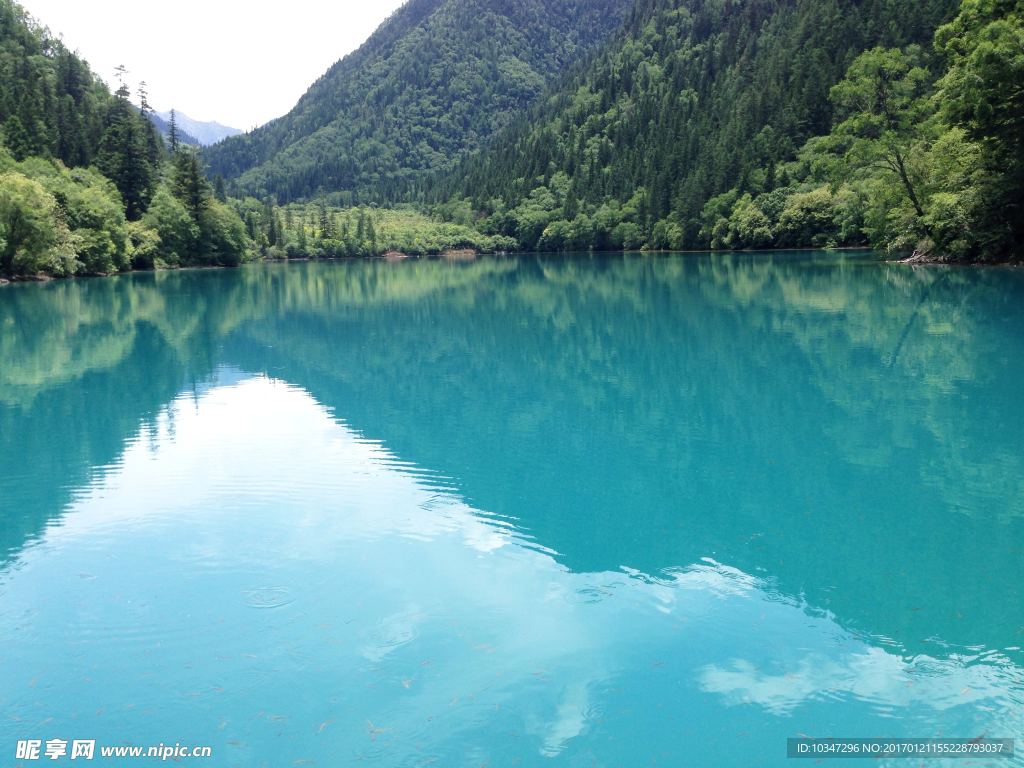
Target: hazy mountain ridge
{"type": "Point", "coordinates": [165, 129]}
{"type": "Point", "coordinates": [432, 84]}
{"type": "Point", "coordinates": [203, 133]}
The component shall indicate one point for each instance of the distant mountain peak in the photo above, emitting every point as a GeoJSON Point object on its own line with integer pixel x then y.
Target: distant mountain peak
{"type": "Point", "coordinates": [205, 133]}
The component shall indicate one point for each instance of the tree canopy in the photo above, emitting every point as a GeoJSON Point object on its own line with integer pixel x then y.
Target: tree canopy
{"type": "Point", "coordinates": [432, 84]}
{"type": "Point", "coordinates": [82, 170]}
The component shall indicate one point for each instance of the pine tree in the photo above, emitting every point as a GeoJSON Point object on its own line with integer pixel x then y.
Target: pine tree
{"type": "Point", "coordinates": [268, 219]}
{"type": "Point", "coordinates": [123, 155]}
{"type": "Point", "coordinates": [325, 231]}
{"type": "Point", "coordinates": [16, 138]}
{"type": "Point", "coordinates": [144, 107]}
{"type": "Point", "coordinates": [189, 183]}
{"type": "Point", "coordinates": [155, 150]}
{"type": "Point", "coordinates": [172, 133]}
{"type": "Point", "coordinates": [218, 189]}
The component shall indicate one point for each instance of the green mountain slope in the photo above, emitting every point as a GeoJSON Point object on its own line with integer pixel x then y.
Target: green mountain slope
{"type": "Point", "coordinates": [433, 83]}
{"type": "Point", "coordinates": [693, 99]}
{"type": "Point", "coordinates": [86, 184]}
{"type": "Point", "coordinates": [51, 104]}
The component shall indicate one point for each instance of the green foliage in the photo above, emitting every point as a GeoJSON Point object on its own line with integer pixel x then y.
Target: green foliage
{"type": "Point", "coordinates": [128, 156]}
{"type": "Point", "coordinates": [222, 239]}
{"type": "Point", "coordinates": [92, 210]}
{"type": "Point", "coordinates": [689, 102]}
{"type": "Point", "coordinates": [145, 245]}
{"type": "Point", "coordinates": [86, 229]}
{"type": "Point", "coordinates": [186, 232]}
{"type": "Point", "coordinates": [51, 105]}
{"type": "Point", "coordinates": [16, 138]}
{"type": "Point", "coordinates": [177, 232]}
{"type": "Point", "coordinates": [189, 183]}
{"type": "Point", "coordinates": [882, 95]}
{"type": "Point", "coordinates": [304, 231]}
{"type": "Point", "coordinates": [723, 129]}
{"type": "Point", "coordinates": [81, 172]}
{"type": "Point", "coordinates": [432, 84]}
{"type": "Point", "coordinates": [31, 235]}
{"type": "Point", "coordinates": [983, 92]}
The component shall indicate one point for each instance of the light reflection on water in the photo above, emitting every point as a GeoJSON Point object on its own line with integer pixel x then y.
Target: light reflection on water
{"type": "Point", "coordinates": [334, 544]}
{"type": "Point", "coordinates": [412, 625]}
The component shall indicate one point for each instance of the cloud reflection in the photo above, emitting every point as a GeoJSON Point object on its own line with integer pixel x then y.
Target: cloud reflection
{"type": "Point", "coordinates": [419, 614]}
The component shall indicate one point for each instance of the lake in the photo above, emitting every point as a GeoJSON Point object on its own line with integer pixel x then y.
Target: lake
{"type": "Point", "coordinates": [603, 510]}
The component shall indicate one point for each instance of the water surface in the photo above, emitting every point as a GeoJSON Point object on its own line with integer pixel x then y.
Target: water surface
{"type": "Point", "coordinates": [605, 510]}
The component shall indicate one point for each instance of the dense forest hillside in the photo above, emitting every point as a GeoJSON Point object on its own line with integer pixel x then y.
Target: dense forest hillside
{"type": "Point", "coordinates": [50, 102]}
{"type": "Point", "coordinates": [764, 123]}
{"type": "Point", "coordinates": [553, 126]}
{"type": "Point", "coordinates": [694, 99]}
{"type": "Point", "coordinates": [433, 83]}
{"type": "Point", "coordinates": [87, 185]}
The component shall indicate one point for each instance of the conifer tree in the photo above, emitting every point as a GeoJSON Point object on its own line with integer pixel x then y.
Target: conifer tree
{"type": "Point", "coordinates": [189, 183]}
{"type": "Point", "coordinates": [123, 155]}
{"type": "Point", "coordinates": [16, 138]}
{"type": "Point", "coordinates": [144, 107]}
{"type": "Point", "coordinates": [172, 133]}
{"type": "Point", "coordinates": [155, 150]}
{"type": "Point", "coordinates": [218, 189]}
{"type": "Point", "coordinates": [325, 231]}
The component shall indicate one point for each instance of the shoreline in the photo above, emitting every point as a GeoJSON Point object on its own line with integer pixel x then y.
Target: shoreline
{"type": "Point", "coordinates": [912, 260]}
{"type": "Point", "coordinates": [44, 278]}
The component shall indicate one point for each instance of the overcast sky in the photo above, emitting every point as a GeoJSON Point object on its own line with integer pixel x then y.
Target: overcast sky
{"type": "Point", "coordinates": [238, 62]}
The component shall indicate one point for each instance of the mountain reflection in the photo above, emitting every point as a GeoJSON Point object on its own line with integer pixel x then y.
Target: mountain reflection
{"type": "Point", "coordinates": [848, 431]}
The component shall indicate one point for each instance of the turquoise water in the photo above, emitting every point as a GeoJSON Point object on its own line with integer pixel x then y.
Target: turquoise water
{"type": "Point", "coordinates": [598, 510]}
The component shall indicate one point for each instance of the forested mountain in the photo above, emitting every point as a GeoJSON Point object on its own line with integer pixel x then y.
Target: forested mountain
{"type": "Point", "coordinates": [86, 183]}
{"type": "Point", "coordinates": [731, 125]}
{"type": "Point", "coordinates": [433, 83]}
{"type": "Point", "coordinates": [692, 100]}
{"type": "Point", "coordinates": [204, 132]}
{"type": "Point", "coordinates": [558, 125]}
{"type": "Point", "coordinates": [50, 102]}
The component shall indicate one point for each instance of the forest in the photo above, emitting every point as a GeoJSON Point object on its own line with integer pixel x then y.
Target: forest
{"type": "Point", "coordinates": [565, 126]}
{"type": "Point", "coordinates": [431, 85]}
{"type": "Point", "coordinates": [316, 230]}
{"type": "Point", "coordinates": [816, 123]}
{"type": "Point", "coordinates": [87, 184]}
{"type": "Point", "coordinates": [693, 125]}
